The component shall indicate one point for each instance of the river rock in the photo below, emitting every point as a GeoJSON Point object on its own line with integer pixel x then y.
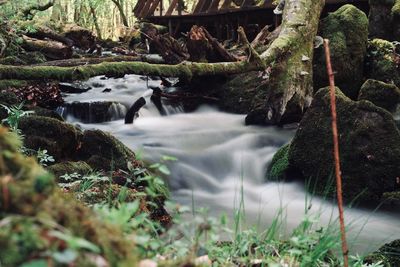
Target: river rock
{"type": "Point", "coordinates": [95, 112]}
{"type": "Point", "coordinates": [347, 30]}
{"type": "Point", "coordinates": [383, 95]}
{"type": "Point", "coordinates": [388, 255]}
{"type": "Point", "coordinates": [59, 138]}
{"type": "Point", "coordinates": [369, 148]}
{"type": "Point", "coordinates": [382, 62]}
{"type": "Point", "coordinates": [102, 151]}
{"type": "Point", "coordinates": [74, 88]}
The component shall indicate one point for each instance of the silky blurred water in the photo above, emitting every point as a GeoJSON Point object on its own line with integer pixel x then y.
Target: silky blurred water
{"type": "Point", "coordinates": [218, 156]}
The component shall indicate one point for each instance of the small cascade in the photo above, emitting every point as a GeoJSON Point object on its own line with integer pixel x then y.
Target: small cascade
{"type": "Point", "coordinates": [93, 112]}
{"type": "Point", "coordinates": [116, 111]}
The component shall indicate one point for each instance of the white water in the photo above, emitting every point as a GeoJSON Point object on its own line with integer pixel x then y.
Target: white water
{"type": "Point", "coordinates": [215, 152]}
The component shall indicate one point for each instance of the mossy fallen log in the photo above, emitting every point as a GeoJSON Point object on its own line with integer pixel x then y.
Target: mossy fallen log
{"type": "Point", "coordinates": [51, 49]}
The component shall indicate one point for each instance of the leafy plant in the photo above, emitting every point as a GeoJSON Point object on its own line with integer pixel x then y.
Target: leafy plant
{"type": "Point", "coordinates": [44, 158]}
{"type": "Point", "coordinates": [15, 113]}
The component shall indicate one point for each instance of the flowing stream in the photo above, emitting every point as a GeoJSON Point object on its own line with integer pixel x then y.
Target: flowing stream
{"type": "Point", "coordinates": [219, 157]}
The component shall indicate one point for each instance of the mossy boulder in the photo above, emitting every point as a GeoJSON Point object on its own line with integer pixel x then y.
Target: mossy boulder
{"type": "Point", "coordinates": [102, 151]}
{"type": "Point", "coordinates": [388, 255]}
{"type": "Point", "coordinates": [383, 95]}
{"type": "Point", "coordinates": [44, 112]}
{"type": "Point", "coordinates": [279, 166]}
{"type": "Point", "coordinates": [382, 62]}
{"type": "Point", "coordinates": [69, 167]}
{"type": "Point", "coordinates": [369, 148]}
{"type": "Point", "coordinates": [347, 30]}
{"type": "Point", "coordinates": [38, 220]}
{"type": "Point", "coordinates": [59, 138]}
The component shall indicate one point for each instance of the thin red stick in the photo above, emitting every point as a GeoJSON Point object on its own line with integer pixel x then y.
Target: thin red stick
{"type": "Point", "coordinates": [336, 152]}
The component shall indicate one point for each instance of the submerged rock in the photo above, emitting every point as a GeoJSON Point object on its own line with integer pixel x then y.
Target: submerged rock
{"type": "Point", "coordinates": [369, 148]}
{"type": "Point", "coordinates": [347, 30]}
{"type": "Point", "coordinates": [381, 94]}
{"type": "Point", "coordinates": [74, 88]}
{"type": "Point", "coordinates": [382, 62]}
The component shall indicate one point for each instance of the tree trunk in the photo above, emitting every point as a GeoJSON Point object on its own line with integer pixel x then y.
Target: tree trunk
{"type": "Point", "coordinates": [29, 13]}
{"type": "Point", "coordinates": [288, 57]}
{"type": "Point", "coordinates": [290, 87]}
{"type": "Point", "coordinates": [122, 13]}
{"type": "Point", "coordinates": [96, 23]}
{"type": "Point", "coordinates": [51, 49]}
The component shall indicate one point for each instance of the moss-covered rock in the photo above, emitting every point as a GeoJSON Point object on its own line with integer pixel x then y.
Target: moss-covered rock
{"type": "Point", "coordinates": [59, 138]}
{"type": "Point", "coordinates": [369, 147]}
{"type": "Point", "coordinates": [102, 151]}
{"type": "Point", "coordinates": [383, 95]}
{"type": "Point", "coordinates": [279, 166]}
{"type": "Point", "coordinates": [388, 255]}
{"type": "Point", "coordinates": [347, 30]}
{"type": "Point", "coordinates": [38, 220]}
{"type": "Point", "coordinates": [44, 112]}
{"type": "Point", "coordinates": [382, 62]}
{"type": "Point", "coordinates": [69, 167]}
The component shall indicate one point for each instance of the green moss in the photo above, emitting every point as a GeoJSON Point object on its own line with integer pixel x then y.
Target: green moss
{"type": "Point", "coordinates": [381, 62]}
{"type": "Point", "coordinates": [369, 147]}
{"type": "Point", "coordinates": [381, 94]}
{"type": "Point", "coordinates": [396, 8]}
{"type": "Point", "coordinates": [69, 167]}
{"type": "Point", "coordinates": [59, 138]}
{"type": "Point", "coordinates": [32, 209]}
{"type": "Point", "coordinates": [347, 30]}
{"type": "Point", "coordinates": [102, 151]}
{"type": "Point", "coordinates": [279, 164]}
{"type": "Point", "coordinates": [4, 84]}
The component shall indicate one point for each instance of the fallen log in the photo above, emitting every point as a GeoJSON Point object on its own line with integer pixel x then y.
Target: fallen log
{"type": "Point", "coordinates": [82, 37]}
{"type": "Point", "coordinates": [51, 49]}
{"type": "Point", "coordinates": [132, 113]}
{"type": "Point", "coordinates": [43, 32]}
{"type": "Point", "coordinates": [203, 47]}
{"type": "Point", "coordinates": [74, 62]}
{"type": "Point", "coordinates": [169, 48]}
